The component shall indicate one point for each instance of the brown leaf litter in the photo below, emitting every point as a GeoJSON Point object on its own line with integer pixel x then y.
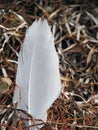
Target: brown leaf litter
{"type": "Point", "coordinates": [75, 26]}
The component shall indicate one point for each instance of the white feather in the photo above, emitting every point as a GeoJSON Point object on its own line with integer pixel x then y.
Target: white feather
{"type": "Point", "coordinates": [38, 71]}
